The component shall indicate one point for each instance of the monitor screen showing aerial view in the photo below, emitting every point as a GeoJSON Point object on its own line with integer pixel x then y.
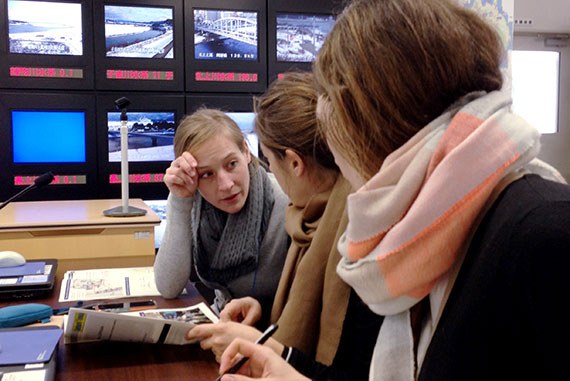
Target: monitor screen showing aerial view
{"type": "Point", "coordinates": [225, 35]}
{"type": "Point", "coordinates": [300, 36]}
{"type": "Point", "coordinates": [39, 27]}
{"type": "Point", "coordinates": [139, 32]}
{"type": "Point", "coordinates": [150, 136]}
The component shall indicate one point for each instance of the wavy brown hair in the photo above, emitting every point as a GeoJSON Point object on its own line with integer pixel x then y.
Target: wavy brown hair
{"type": "Point", "coordinates": [286, 119]}
{"type": "Point", "coordinates": [389, 67]}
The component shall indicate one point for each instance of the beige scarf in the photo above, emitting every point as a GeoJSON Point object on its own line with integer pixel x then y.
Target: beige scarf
{"type": "Point", "coordinates": [410, 222]}
{"type": "Point", "coordinates": [311, 300]}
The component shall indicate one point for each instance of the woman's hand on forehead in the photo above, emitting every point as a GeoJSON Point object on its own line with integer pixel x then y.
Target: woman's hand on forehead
{"type": "Point", "coordinates": [181, 177]}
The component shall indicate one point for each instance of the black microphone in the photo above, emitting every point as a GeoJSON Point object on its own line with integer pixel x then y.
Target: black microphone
{"type": "Point", "coordinates": [39, 182]}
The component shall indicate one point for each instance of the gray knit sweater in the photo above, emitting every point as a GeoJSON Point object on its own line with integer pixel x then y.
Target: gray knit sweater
{"type": "Point", "coordinates": [174, 259]}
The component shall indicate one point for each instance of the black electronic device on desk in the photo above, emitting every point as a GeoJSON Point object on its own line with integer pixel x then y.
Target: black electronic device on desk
{"type": "Point", "coordinates": [31, 280]}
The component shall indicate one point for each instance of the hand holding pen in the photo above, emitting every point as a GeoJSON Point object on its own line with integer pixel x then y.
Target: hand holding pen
{"type": "Point", "coordinates": [263, 362]}
{"type": "Point", "coordinates": [262, 339]}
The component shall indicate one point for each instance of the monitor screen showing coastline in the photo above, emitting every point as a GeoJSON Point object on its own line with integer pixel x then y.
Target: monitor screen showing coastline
{"type": "Point", "coordinates": [225, 35]}
{"type": "Point", "coordinates": [139, 32]}
{"type": "Point", "coordinates": [300, 36]}
{"type": "Point", "coordinates": [40, 27]}
{"type": "Point", "coordinates": [150, 136]}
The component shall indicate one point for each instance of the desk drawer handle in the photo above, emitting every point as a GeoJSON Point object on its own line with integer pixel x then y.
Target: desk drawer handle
{"type": "Point", "coordinates": [46, 233]}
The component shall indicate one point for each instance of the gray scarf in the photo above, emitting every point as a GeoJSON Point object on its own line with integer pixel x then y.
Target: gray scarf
{"type": "Point", "coordinates": [226, 246]}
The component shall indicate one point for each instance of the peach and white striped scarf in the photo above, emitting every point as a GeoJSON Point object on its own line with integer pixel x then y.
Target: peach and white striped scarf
{"type": "Point", "coordinates": [408, 222]}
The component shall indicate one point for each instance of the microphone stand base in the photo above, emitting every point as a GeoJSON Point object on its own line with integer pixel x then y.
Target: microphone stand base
{"type": "Point", "coordinates": [119, 212]}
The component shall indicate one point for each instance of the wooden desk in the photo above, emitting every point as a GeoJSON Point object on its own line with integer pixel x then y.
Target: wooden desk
{"type": "Point", "coordinates": [132, 361]}
{"type": "Point", "coordinates": [77, 230]}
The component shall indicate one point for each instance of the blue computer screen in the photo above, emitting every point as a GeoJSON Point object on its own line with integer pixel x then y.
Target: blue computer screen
{"type": "Point", "coordinates": [48, 136]}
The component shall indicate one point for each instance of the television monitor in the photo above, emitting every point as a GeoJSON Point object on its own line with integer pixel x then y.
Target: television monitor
{"type": "Point", "coordinates": [300, 36]}
{"type": "Point", "coordinates": [150, 136]}
{"type": "Point", "coordinates": [48, 132]}
{"type": "Point", "coordinates": [46, 44]}
{"type": "Point", "coordinates": [245, 121]}
{"type": "Point", "coordinates": [239, 107]}
{"type": "Point", "coordinates": [296, 31]}
{"type": "Point", "coordinates": [225, 45]}
{"type": "Point", "coordinates": [152, 119]}
{"type": "Point", "coordinates": [40, 136]}
{"type": "Point", "coordinates": [139, 45]}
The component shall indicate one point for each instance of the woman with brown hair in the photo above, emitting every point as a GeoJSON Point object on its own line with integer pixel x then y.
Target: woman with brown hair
{"type": "Point", "coordinates": [318, 316]}
{"type": "Point", "coordinates": [225, 215]}
{"type": "Point", "coordinates": [456, 233]}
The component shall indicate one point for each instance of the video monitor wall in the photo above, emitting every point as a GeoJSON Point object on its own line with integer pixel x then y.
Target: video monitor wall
{"type": "Point", "coordinates": [151, 123]}
{"type": "Point", "coordinates": [139, 45]}
{"type": "Point", "coordinates": [46, 44]}
{"type": "Point", "coordinates": [296, 31]}
{"type": "Point", "coordinates": [43, 132]}
{"type": "Point", "coordinates": [225, 45]}
{"type": "Point", "coordinates": [63, 63]}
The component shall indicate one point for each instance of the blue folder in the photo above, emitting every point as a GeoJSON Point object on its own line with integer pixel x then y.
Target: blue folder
{"type": "Point", "coordinates": [28, 268]}
{"type": "Point", "coordinates": [28, 345]}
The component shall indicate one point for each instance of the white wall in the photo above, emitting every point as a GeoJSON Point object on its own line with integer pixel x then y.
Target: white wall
{"type": "Point", "coordinates": [551, 16]}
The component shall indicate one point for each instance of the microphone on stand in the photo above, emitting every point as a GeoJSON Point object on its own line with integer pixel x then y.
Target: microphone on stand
{"type": "Point", "coordinates": [39, 182]}
{"type": "Point", "coordinates": [125, 210]}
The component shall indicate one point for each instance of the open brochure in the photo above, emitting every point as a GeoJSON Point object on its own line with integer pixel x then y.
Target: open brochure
{"type": "Point", "coordinates": [162, 326]}
{"type": "Point", "coordinates": [107, 284]}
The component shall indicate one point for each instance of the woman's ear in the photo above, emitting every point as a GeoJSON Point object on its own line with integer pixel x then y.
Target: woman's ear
{"type": "Point", "coordinates": [295, 162]}
{"type": "Point", "coordinates": [247, 153]}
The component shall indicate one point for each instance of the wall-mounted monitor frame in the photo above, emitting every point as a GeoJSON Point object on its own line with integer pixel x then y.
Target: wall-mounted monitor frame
{"type": "Point", "coordinates": [75, 179]}
{"type": "Point", "coordinates": [146, 170]}
{"type": "Point", "coordinates": [150, 57]}
{"type": "Point", "coordinates": [322, 9]}
{"type": "Point", "coordinates": [46, 57]}
{"type": "Point", "coordinates": [225, 69]}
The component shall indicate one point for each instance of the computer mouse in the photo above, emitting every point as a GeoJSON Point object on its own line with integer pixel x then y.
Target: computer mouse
{"type": "Point", "coordinates": [11, 258]}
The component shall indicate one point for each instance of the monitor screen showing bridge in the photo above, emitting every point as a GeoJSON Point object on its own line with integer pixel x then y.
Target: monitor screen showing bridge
{"type": "Point", "coordinates": [150, 136]}
{"type": "Point", "coordinates": [225, 35]}
{"type": "Point", "coordinates": [300, 36]}
{"type": "Point", "coordinates": [139, 32]}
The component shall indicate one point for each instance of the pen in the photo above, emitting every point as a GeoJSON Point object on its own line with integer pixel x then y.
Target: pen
{"type": "Point", "coordinates": [262, 339]}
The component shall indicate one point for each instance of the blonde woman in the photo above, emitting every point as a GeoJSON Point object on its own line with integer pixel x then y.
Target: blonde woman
{"type": "Point", "coordinates": [225, 215]}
